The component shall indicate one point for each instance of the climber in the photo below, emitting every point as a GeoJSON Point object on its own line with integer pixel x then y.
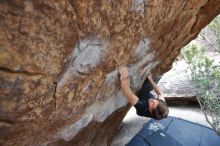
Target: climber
{"type": "Point", "coordinates": [145, 103]}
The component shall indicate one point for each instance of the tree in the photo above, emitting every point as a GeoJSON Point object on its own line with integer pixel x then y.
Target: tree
{"type": "Point", "coordinates": [206, 77]}
{"type": "Point", "coordinates": [215, 28]}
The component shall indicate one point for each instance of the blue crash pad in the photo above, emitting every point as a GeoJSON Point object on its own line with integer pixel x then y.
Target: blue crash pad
{"type": "Point", "coordinates": [174, 131]}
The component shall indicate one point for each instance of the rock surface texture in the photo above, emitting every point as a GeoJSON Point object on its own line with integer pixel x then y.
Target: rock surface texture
{"type": "Point", "coordinates": [58, 62]}
{"type": "Point", "coordinates": [177, 85]}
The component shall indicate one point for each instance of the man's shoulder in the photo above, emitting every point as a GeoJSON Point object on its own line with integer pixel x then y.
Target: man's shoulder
{"type": "Point", "coordinates": [142, 108]}
{"type": "Point", "coordinates": [141, 103]}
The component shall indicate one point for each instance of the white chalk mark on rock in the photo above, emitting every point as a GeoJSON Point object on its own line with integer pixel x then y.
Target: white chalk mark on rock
{"type": "Point", "coordinates": [85, 57]}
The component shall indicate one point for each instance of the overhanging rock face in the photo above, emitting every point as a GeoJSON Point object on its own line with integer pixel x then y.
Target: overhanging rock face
{"type": "Point", "coordinates": [58, 62]}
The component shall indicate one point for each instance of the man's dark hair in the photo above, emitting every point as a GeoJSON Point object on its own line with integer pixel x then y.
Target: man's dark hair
{"type": "Point", "coordinates": [161, 111]}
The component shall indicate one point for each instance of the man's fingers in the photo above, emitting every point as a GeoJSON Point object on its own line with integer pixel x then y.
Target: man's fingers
{"type": "Point", "coordinates": [120, 70]}
{"type": "Point", "coordinates": [123, 72]}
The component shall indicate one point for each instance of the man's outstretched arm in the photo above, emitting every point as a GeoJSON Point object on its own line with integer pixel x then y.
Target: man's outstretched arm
{"type": "Point", "coordinates": [125, 86]}
{"type": "Point", "coordinates": [158, 91]}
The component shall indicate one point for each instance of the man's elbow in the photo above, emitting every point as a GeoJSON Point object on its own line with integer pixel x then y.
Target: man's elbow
{"type": "Point", "coordinates": [132, 100]}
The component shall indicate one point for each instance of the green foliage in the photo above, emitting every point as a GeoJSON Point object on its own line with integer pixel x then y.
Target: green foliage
{"type": "Point", "coordinates": [206, 76]}
{"type": "Point", "coordinates": [215, 27]}
{"type": "Point", "coordinates": [206, 79]}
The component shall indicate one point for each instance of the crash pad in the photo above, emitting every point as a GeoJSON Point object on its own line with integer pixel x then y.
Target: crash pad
{"type": "Point", "coordinates": [173, 131]}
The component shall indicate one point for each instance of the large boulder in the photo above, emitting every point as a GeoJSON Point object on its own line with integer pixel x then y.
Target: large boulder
{"type": "Point", "coordinates": [177, 85]}
{"type": "Point", "coordinates": [59, 62]}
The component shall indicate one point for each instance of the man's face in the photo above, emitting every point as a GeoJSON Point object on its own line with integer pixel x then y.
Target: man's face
{"type": "Point", "coordinates": [153, 103]}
